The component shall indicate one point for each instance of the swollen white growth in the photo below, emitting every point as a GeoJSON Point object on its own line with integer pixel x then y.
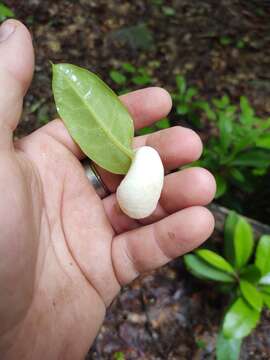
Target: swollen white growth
{"type": "Point", "coordinates": [140, 190]}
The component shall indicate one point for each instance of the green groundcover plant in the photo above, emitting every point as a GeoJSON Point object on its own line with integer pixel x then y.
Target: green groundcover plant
{"type": "Point", "coordinates": [187, 104]}
{"type": "Point", "coordinates": [244, 274]}
{"type": "Point", "coordinates": [129, 76]}
{"type": "Point", "coordinates": [238, 151]}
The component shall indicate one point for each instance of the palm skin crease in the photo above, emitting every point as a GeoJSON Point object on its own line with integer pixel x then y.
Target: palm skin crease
{"type": "Point", "coordinates": [64, 252]}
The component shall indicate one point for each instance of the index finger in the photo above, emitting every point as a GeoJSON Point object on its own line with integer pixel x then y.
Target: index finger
{"type": "Point", "coordinates": [147, 105]}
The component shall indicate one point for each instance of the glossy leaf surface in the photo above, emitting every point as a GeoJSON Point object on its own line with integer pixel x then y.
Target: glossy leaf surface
{"type": "Point", "coordinates": [250, 273]}
{"type": "Point", "coordinates": [240, 320]}
{"type": "Point", "coordinates": [94, 116]}
{"type": "Point", "coordinates": [229, 229]}
{"type": "Point", "coordinates": [262, 259]}
{"type": "Point", "coordinates": [243, 242]}
{"type": "Point", "coordinates": [202, 270]}
{"type": "Point", "coordinates": [227, 349]}
{"type": "Point", "coordinates": [266, 299]}
{"type": "Point", "coordinates": [215, 260]}
{"type": "Point", "coordinates": [251, 295]}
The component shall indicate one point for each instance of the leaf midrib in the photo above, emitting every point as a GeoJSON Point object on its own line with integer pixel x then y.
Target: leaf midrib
{"type": "Point", "coordinates": [126, 151]}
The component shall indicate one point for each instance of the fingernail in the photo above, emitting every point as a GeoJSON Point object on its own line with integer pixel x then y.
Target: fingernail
{"type": "Point", "coordinates": [6, 30]}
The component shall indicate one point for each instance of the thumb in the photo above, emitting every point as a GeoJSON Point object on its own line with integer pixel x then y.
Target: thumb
{"type": "Point", "coordinates": [16, 70]}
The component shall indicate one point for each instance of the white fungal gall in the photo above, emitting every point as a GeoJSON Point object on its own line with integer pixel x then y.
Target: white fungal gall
{"type": "Point", "coordinates": [140, 190]}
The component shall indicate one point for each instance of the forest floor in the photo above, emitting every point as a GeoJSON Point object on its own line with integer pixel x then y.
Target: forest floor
{"type": "Point", "coordinates": [221, 46]}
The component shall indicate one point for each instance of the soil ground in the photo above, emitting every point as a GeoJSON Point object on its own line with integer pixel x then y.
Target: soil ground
{"type": "Point", "coordinates": [221, 46]}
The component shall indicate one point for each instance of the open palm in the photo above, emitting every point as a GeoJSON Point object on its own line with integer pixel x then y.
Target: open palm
{"type": "Point", "coordinates": [64, 252]}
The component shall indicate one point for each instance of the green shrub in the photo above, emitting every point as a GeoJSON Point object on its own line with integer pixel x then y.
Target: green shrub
{"type": "Point", "coordinates": [129, 77]}
{"type": "Point", "coordinates": [238, 152]}
{"type": "Point", "coordinates": [244, 274]}
{"type": "Point", "coordinates": [187, 104]}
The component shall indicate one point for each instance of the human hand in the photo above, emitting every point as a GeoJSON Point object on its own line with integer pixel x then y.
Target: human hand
{"type": "Point", "coordinates": [64, 252]}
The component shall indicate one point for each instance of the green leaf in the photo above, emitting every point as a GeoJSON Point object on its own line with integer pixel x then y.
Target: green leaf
{"type": "Point", "coordinates": [266, 299]}
{"type": "Point", "coordinates": [225, 101]}
{"type": "Point", "coordinates": [163, 123]}
{"type": "Point", "coordinates": [182, 109]}
{"type": "Point", "coordinates": [265, 289]}
{"type": "Point", "coordinates": [247, 110]}
{"type": "Point", "coordinates": [250, 273]}
{"type": "Point", "coordinates": [94, 117]}
{"type": "Point", "coordinates": [251, 295]}
{"type": "Point", "coordinates": [191, 92]}
{"type": "Point", "coordinates": [118, 77]}
{"type": "Point", "coordinates": [252, 158]}
{"type": "Point", "coordinates": [168, 11]}
{"type": "Point", "coordinates": [265, 292]}
{"type": "Point", "coordinates": [240, 44]}
{"type": "Point", "coordinates": [5, 12]}
{"type": "Point", "coordinates": [128, 68]}
{"type": "Point", "coordinates": [240, 320]}
{"type": "Point", "coordinates": [217, 103]}
{"type": "Point", "coordinates": [202, 270]}
{"type": "Point", "coordinates": [263, 141]}
{"type": "Point", "coordinates": [262, 257]}
{"type": "Point", "coordinates": [243, 242]}
{"type": "Point", "coordinates": [225, 128]}
{"type": "Point", "coordinates": [227, 349]}
{"type": "Point", "coordinates": [237, 175]}
{"type": "Point", "coordinates": [141, 79]}
{"type": "Point", "coordinates": [230, 110]}
{"type": "Point", "coordinates": [119, 355]}
{"type": "Point", "coordinates": [229, 229]}
{"type": "Point", "coordinates": [225, 40]}
{"type": "Point", "coordinates": [221, 186]}
{"type": "Point", "coordinates": [203, 105]}
{"type": "Point", "coordinates": [181, 84]}
{"type": "Point", "coordinates": [215, 260]}
{"type": "Point", "coordinates": [265, 280]}
{"type": "Point", "coordinates": [200, 344]}
{"type": "Point", "coordinates": [145, 130]}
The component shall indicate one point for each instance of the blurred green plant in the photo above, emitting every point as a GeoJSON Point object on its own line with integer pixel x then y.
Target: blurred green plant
{"type": "Point", "coordinates": [243, 274]}
{"type": "Point", "coordinates": [238, 152]}
{"type": "Point", "coordinates": [119, 355]}
{"type": "Point", "coordinates": [201, 344]}
{"type": "Point", "coordinates": [168, 11]}
{"type": "Point", "coordinates": [128, 78]}
{"type": "Point", "coordinates": [159, 125]}
{"type": "Point", "coordinates": [5, 12]}
{"type": "Point", "coordinates": [225, 40]}
{"type": "Point", "coordinates": [187, 104]}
